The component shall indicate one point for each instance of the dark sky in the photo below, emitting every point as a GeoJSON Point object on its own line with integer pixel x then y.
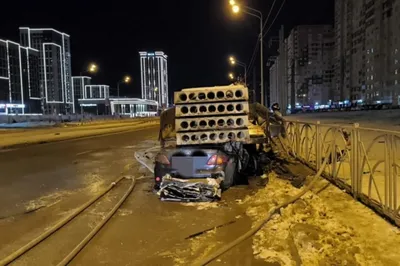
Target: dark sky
{"type": "Point", "coordinates": [197, 35]}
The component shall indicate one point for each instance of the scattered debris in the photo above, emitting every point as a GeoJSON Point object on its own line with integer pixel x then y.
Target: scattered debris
{"type": "Point", "coordinates": [180, 190]}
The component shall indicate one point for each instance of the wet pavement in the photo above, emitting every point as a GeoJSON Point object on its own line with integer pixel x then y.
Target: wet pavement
{"type": "Point", "coordinates": [51, 180]}
{"type": "Point", "coordinates": [54, 169]}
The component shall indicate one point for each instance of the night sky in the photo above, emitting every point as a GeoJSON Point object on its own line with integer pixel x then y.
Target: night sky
{"type": "Point", "coordinates": [197, 35]}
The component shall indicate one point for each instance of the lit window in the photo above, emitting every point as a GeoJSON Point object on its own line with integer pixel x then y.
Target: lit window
{"type": "Point", "coordinates": [396, 61]}
{"type": "Point", "coordinates": [372, 77]}
{"type": "Point", "coordinates": [395, 82]}
{"type": "Point", "coordinates": [368, 51]}
{"type": "Point", "coordinates": [372, 50]}
{"type": "Point", "coordinates": [372, 86]}
{"type": "Point", "coordinates": [395, 72]}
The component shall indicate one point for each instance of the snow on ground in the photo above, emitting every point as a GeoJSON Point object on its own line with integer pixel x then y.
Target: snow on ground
{"type": "Point", "coordinates": [384, 119]}
{"type": "Point", "coordinates": [312, 232]}
{"type": "Point", "coordinates": [26, 124]}
{"type": "Point", "coordinates": [16, 137]}
{"type": "Point", "coordinates": [325, 227]}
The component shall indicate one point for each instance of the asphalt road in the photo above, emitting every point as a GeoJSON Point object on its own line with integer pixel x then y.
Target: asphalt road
{"type": "Point", "coordinates": [42, 170]}
{"type": "Point", "coordinates": [56, 178]}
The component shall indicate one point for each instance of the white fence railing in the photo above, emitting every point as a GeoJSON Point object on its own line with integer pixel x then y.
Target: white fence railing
{"type": "Point", "coordinates": [363, 161]}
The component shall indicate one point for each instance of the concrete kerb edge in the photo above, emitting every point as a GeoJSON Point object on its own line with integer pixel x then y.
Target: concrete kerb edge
{"type": "Point", "coordinates": [20, 145]}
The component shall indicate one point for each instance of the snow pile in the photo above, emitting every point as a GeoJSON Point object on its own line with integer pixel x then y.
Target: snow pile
{"type": "Point", "coordinates": [26, 124]}
{"type": "Point", "coordinates": [46, 201]}
{"type": "Point", "coordinates": [306, 231]}
{"type": "Point", "coordinates": [202, 205]}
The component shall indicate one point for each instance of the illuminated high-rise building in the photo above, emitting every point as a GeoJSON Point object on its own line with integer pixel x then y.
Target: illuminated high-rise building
{"type": "Point", "coordinates": [154, 77]}
{"type": "Point", "coordinates": [55, 67]}
{"type": "Point", "coordinates": [19, 79]}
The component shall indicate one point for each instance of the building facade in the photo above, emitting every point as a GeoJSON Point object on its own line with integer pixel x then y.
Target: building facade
{"type": "Point", "coordinates": [367, 51]}
{"type": "Point", "coordinates": [154, 77]}
{"type": "Point", "coordinates": [19, 79]}
{"type": "Point", "coordinates": [55, 68]}
{"type": "Point", "coordinates": [78, 87]}
{"type": "Point", "coordinates": [96, 92]}
{"type": "Point", "coordinates": [310, 66]}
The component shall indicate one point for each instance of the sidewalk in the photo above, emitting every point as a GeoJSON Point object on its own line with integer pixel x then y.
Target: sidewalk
{"type": "Point", "coordinates": [21, 137]}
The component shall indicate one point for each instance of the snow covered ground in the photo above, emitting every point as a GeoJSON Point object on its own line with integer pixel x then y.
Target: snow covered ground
{"type": "Point", "coordinates": [26, 124]}
{"type": "Point", "coordinates": [384, 119]}
{"type": "Point", "coordinates": [325, 227]}
{"type": "Point", "coordinates": [13, 137]}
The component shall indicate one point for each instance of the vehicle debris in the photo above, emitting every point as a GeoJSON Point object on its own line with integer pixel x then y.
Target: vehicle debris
{"type": "Point", "coordinates": [180, 190]}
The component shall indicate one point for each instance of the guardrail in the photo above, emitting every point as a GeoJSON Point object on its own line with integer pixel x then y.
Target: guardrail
{"type": "Point", "coordinates": [363, 161]}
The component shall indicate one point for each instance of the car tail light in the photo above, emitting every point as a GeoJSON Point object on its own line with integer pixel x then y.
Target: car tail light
{"type": "Point", "coordinates": [161, 158]}
{"type": "Point", "coordinates": [217, 160]}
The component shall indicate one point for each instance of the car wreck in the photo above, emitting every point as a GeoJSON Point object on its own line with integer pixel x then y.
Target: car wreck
{"type": "Point", "coordinates": [212, 139]}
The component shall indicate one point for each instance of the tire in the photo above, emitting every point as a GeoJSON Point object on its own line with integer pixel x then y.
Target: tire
{"type": "Point", "coordinates": [230, 174]}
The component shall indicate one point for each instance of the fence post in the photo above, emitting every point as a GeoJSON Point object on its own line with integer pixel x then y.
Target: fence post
{"type": "Point", "coordinates": [297, 138]}
{"type": "Point", "coordinates": [390, 173]}
{"type": "Point", "coordinates": [318, 145]}
{"type": "Point", "coordinates": [306, 144]}
{"type": "Point", "coordinates": [333, 153]}
{"type": "Point", "coordinates": [355, 161]}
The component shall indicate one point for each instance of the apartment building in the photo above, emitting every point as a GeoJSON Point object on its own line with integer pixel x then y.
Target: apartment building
{"type": "Point", "coordinates": [367, 54]}
{"type": "Point", "coordinates": [310, 65]}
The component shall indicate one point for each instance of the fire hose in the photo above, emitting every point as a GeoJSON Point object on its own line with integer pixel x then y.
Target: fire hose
{"type": "Point", "coordinates": [260, 224]}
{"type": "Point", "coordinates": [12, 257]}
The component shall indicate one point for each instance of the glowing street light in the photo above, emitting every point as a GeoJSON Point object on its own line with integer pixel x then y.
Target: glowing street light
{"type": "Point", "coordinates": [231, 76]}
{"type": "Point", "coordinates": [233, 61]}
{"type": "Point", "coordinates": [92, 68]}
{"type": "Point", "coordinates": [232, 2]}
{"type": "Point", "coordinates": [126, 80]}
{"type": "Point", "coordinates": [258, 14]}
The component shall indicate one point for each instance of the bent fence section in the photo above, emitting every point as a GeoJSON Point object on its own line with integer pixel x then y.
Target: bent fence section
{"type": "Point", "coordinates": [362, 161]}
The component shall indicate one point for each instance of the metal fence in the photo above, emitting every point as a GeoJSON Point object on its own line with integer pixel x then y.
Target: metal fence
{"type": "Point", "coordinates": [362, 161]}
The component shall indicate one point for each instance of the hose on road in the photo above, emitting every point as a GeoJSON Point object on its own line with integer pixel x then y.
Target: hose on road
{"type": "Point", "coordinates": [10, 258]}
{"type": "Point", "coordinates": [86, 240]}
{"type": "Point", "coordinates": [260, 224]}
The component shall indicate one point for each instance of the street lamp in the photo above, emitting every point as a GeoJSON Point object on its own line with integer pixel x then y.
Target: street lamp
{"type": "Point", "coordinates": [92, 68]}
{"type": "Point", "coordinates": [233, 61]}
{"type": "Point", "coordinates": [255, 13]}
{"type": "Point", "coordinates": [231, 76]}
{"type": "Point", "coordinates": [126, 80]}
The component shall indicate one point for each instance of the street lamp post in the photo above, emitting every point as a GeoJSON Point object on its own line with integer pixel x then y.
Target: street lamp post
{"type": "Point", "coordinates": [91, 69]}
{"type": "Point", "coordinates": [126, 79]}
{"type": "Point", "coordinates": [233, 61]}
{"type": "Point", "coordinates": [255, 13]}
